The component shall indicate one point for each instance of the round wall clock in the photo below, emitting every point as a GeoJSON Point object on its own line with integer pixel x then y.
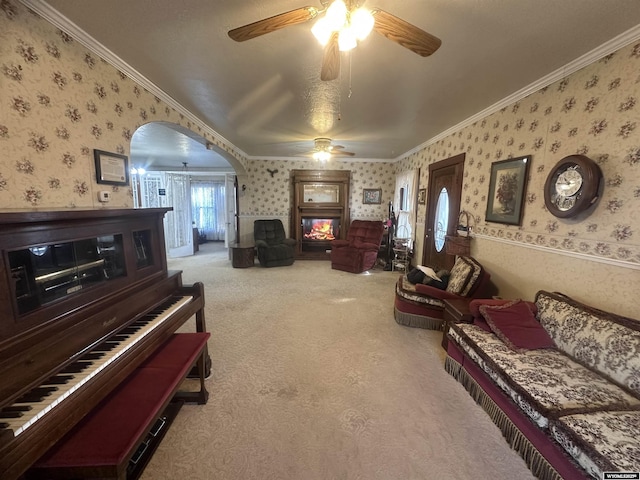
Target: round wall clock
{"type": "Point", "coordinates": [572, 186]}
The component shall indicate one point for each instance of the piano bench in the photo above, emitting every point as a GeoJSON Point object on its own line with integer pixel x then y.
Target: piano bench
{"type": "Point", "coordinates": [103, 443]}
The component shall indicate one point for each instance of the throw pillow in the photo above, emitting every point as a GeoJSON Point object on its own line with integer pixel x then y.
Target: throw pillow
{"type": "Point", "coordinates": [515, 324]}
{"type": "Point", "coordinates": [473, 278]}
{"type": "Point", "coordinates": [460, 275]}
{"type": "Point", "coordinates": [478, 319]}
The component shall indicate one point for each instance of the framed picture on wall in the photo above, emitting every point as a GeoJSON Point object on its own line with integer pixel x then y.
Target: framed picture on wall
{"type": "Point", "coordinates": [422, 196]}
{"type": "Point", "coordinates": [507, 188]}
{"type": "Point", "coordinates": [372, 196]}
{"type": "Point", "coordinates": [111, 168]}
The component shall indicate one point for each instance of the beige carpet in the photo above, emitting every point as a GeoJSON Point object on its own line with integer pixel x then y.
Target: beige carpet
{"type": "Point", "coordinates": [313, 379]}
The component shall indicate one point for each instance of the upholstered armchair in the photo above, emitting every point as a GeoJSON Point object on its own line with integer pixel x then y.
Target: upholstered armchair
{"type": "Point", "coordinates": [422, 306]}
{"type": "Point", "coordinates": [274, 248]}
{"type": "Point", "coordinates": [359, 251]}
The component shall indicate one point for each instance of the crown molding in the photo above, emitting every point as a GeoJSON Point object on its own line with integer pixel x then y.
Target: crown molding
{"type": "Point", "coordinates": [616, 43]}
{"type": "Point", "coordinates": [334, 158]}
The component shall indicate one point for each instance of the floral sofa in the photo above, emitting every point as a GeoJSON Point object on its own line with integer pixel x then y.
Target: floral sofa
{"type": "Point", "coordinates": [559, 378]}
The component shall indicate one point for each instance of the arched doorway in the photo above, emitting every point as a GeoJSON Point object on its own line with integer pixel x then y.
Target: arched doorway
{"type": "Point", "coordinates": [174, 167]}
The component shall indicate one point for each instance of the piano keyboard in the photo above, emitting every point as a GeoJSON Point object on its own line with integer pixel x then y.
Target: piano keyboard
{"type": "Point", "coordinates": [37, 403]}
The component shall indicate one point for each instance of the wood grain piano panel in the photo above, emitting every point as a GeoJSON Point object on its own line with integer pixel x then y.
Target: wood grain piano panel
{"type": "Point", "coordinates": [37, 345]}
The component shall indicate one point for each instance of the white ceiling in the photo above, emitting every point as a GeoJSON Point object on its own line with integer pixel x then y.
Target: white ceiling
{"type": "Point", "coordinates": [157, 146]}
{"type": "Point", "coordinates": [265, 95]}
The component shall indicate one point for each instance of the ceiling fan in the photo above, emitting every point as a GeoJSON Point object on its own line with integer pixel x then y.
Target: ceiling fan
{"type": "Point", "coordinates": [323, 150]}
{"type": "Point", "coordinates": [339, 29]}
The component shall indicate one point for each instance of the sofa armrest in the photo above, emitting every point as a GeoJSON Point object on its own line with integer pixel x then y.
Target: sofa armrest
{"type": "Point", "coordinates": [435, 292]}
{"type": "Point", "coordinates": [290, 241]}
{"type": "Point", "coordinates": [261, 244]}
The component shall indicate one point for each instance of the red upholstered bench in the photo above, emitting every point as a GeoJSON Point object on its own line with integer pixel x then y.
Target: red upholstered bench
{"type": "Point", "coordinates": [104, 442]}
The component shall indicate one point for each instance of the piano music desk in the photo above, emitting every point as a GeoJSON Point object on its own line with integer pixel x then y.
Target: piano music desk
{"type": "Point", "coordinates": [103, 443]}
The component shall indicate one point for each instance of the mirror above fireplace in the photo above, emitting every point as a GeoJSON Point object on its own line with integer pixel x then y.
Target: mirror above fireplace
{"type": "Point", "coordinates": [320, 193]}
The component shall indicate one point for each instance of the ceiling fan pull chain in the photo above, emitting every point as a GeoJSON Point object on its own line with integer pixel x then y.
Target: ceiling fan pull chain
{"type": "Point", "coordinates": [350, 90]}
{"type": "Point", "coordinates": [339, 105]}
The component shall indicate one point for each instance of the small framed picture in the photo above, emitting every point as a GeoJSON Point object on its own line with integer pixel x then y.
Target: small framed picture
{"type": "Point", "coordinates": [111, 168]}
{"type": "Point", "coordinates": [372, 196]}
{"type": "Point", "coordinates": [422, 196]}
{"type": "Point", "coordinates": [507, 188]}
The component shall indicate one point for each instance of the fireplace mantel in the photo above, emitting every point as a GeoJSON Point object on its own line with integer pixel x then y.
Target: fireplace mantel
{"type": "Point", "coordinates": [319, 195]}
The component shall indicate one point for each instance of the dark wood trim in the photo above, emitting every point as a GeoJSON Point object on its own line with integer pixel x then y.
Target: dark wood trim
{"type": "Point", "coordinates": [457, 164]}
{"type": "Point", "coordinates": [301, 209]}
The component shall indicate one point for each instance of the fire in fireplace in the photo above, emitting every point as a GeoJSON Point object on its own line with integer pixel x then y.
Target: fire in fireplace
{"type": "Point", "coordinates": [320, 229]}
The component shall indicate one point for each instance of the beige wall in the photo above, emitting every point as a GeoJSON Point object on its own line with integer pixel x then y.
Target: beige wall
{"type": "Point", "coordinates": [58, 102]}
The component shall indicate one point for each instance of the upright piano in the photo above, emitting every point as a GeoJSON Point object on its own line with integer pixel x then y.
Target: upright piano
{"type": "Point", "coordinates": [85, 299]}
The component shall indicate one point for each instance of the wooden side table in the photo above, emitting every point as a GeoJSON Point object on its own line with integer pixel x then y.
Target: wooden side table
{"type": "Point", "coordinates": [196, 238]}
{"type": "Point", "coordinates": [455, 311]}
{"type": "Point", "coordinates": [242, 255]}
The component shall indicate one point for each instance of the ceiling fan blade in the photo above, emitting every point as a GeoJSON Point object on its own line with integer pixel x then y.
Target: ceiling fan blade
{"type": "Point", "coordinates": [331, 59]}
{"type": "Point", "coordinates": [405, 34]}
{"type": "Point", "coordinates": [341, 153]}
{"type": "Point", "coordinates": [271, 24]}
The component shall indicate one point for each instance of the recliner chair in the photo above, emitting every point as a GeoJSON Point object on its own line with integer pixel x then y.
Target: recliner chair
{"type": "Point", "coordinates": [274, 248]}
{"type": "Point", "coordinates": [360, 249]}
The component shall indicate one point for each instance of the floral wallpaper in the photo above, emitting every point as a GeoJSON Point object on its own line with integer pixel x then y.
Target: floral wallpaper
{"type": "Point", "coordinates": [270, 195]}
{"type": "Point", "coordinates": [59, 102]}
{"type": "Point", "coordinates": [594, 112]}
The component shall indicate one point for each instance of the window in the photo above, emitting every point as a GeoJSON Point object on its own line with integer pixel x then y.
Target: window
{"type": "Point", "coordinates": [441, 222]}
{"type": "Point", "coordinates": [405, 202]}
{"type": "Point", "coordinates": [208, 208]}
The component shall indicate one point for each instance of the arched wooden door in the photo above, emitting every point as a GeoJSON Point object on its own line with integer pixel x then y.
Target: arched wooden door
{"type": "Point", "coordinates": [443, 207]}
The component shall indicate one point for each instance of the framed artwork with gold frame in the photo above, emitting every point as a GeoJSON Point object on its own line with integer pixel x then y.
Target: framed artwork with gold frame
{"type": "Point", "coordinates": [372, 196]}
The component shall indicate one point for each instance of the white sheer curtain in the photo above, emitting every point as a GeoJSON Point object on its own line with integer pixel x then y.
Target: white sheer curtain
{"type": "Point", "coordinates": [178, 230]}
{"type": "Point", "coordinates": [149, 186]}
{"type": "Point", "coordinates": [405, 204]}
{"type": "Point", "coordinates": [208, 207]}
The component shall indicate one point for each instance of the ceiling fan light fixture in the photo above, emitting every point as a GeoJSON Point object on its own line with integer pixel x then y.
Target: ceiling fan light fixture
{"type": "Point", "coordinates": [336, 15]}
{"type": "Point", "coordinates": [362, 23]}
{"type": "Point", "coordinates": [347, 39]}
{"type": "Point", "coordinates": [322, 31]}
{"type": "Point", "coordinates": [351, 26]}
{"type": "Point", "coordinates": [321, 156]}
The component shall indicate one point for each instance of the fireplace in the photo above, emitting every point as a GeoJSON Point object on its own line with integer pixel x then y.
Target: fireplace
{"type": "Point", "coordinates": [317, 233]}
{"type": "Point", "coordinates": [320, 211]}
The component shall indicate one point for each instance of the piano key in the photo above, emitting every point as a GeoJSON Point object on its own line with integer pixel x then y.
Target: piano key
{"type": "Point", "coordinates": [36, 395]}
{"type": "Point", "coordinates": [58, 379]}
{"type": "Point", "coordinates": [84, 370]}
{"type": "Point", "coordinates": [16, 408]}
{"type": "Point", "coordinates": [76, 367]}
{"type": "Point", "coordinates": [11, 414]}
